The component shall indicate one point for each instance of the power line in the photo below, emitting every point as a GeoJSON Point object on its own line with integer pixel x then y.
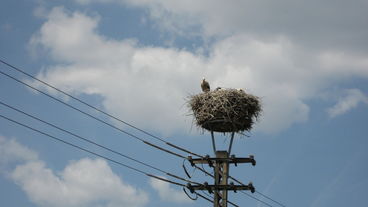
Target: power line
{"type": "Point", "coordinates": [96, 144]}
{"type": "Point", "coordinates": [99, 110]}
{"type": "Point", "coordinates": [93, 117]}
{"type": "Point", "coordinates": [91, 152]}
{"type": "Point", "coordinates": [259, 200]}
{"type": "Point", "coordinates": [236, 180]}
{"type": "Point", "coordinates": [204, 197]}
{"type": "Point", "coordinates": [270, 198]}
{"type": "Point", "coordinates": [99, 155]}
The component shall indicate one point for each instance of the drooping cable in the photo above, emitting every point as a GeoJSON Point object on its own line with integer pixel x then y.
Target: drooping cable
{"type": "Point", "coordinates": [96, 144]}
{"type": "Point", "coordinates": [91, 152]}
{"type": "Point", "coordinates": [97, 109]}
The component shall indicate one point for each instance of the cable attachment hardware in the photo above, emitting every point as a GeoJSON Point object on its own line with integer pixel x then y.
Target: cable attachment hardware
{"type": "Point", "coordinates": [233, 158]}
{"type": "Point", "coordinates": [208, 188]}
{"type": "Point", "coordinates": [190, 159]}
{"type": "Point", "coordinates": [253, 161]}
{"type": "Point", "coordinates": [251, 187]}
{"type": "Point", "coordinates": [190, 187]}
{"type": "Point", "coordinates": [208, 159]}
{"type": "Point", "coordinates": [233, 186]}
{"type": "Point", "coordinates": [191, 191]}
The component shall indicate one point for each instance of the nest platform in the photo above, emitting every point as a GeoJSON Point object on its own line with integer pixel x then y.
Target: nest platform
{"type": "Point", "coordinates": [225, 110]}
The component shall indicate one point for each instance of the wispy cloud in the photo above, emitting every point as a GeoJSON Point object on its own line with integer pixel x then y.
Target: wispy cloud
{"type": "Point", "coordinates": [351, 99]}
{"type": "Point", "coordinates": [13, 152]}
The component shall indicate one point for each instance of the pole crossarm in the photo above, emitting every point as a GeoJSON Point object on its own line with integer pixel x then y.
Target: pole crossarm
{"type": "Point", "coordinates": [231, 160]}
{"type": "Point", "coordinates": [212, 188]}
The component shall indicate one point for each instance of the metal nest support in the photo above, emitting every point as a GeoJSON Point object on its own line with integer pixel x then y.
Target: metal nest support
{"type": "Point", "coordinates": [215, 129]}
{"type": "Point", "coordinates": [214, 143]}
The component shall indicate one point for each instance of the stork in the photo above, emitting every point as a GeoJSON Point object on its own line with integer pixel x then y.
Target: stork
{"type": "Point", "coordinates": [205, 85]}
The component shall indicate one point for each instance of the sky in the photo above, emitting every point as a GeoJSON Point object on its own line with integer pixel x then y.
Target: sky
{"type": "Point", "coordinates": [140, 60]}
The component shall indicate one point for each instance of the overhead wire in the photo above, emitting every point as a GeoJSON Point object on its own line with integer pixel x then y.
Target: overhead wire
{"type": "Point", "coordinates": [204, 197]}
{"type": "Point", "coordinates": [91, 152]}
{"type": "Point", "coordinates": [96, 144]}
{"type": "Point", "coordinates": [101, 156]}
{"type": "Point", "coordinates": [269, 198]}
{"type": "Point", "coordinates": [259, 200]}
{"type": "Point", "coordinates": [91, 116]}
{"type": "Point", "coordinates": [99, 110]}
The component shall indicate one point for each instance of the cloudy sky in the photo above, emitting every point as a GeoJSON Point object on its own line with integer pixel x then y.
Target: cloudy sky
{"type": "Point", "coordinates": [140, 60]}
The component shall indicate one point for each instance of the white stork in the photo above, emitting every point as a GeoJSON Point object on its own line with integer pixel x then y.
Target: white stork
{"type": "Point", "coordinates": [205, 86]}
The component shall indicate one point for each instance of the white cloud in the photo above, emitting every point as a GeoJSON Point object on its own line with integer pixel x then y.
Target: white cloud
{"type": "Point", "coordinates": [349, 64]}
{"type": "Point", "coordinates": [351, 99]}
{"type": "Point", "coordinates": [147, 85]}
{"type": "Point", "coordinates": [82, 183]}
{"type": "Point", "coordinates": [315, 23]}
{"type": "Point", "coordinates": [12, 152]}
{"type": "Point", "coordinates": [167, 193]}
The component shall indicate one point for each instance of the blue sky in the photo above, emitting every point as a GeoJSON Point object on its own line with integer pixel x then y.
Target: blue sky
{"type": "Point", "coordinates": [140, 60]}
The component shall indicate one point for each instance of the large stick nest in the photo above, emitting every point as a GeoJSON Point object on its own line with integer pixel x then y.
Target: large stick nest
{"type": "Point", "coordinates": [225, 110]}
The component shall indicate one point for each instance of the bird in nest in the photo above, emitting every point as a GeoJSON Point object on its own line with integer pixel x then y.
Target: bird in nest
{"type": "Point", "coordinates": [205, 86]}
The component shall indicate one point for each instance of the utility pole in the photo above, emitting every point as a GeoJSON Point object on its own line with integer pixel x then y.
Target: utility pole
{"type": "Point", "coordinates": [221, 164]}
{"type": "Point", "coordinates": [227, 111]}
